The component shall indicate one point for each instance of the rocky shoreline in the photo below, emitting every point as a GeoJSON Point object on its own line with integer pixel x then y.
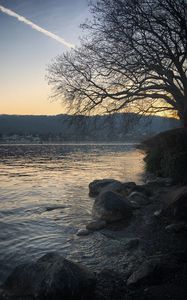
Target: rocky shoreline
{"type": "Point", "coordinates": [146, 227]}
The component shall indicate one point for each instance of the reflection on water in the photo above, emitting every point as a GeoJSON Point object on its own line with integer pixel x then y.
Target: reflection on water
{"type": "Point", "coordinates": [44, 198]}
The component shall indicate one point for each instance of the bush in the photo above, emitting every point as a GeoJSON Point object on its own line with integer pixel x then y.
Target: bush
{"type": "Point", "coordinates": [167, 155]}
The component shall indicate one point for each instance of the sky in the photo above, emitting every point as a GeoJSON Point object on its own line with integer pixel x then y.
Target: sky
{"type": "Point", "coordinates": [27, 49]}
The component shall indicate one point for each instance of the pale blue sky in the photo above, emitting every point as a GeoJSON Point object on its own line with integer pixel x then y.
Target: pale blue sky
{"type": "Point", "coordinates": [25, 53]}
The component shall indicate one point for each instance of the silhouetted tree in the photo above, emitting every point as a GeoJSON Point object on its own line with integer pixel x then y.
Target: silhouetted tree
{"type": "Point", "coordinates": [133, 57]}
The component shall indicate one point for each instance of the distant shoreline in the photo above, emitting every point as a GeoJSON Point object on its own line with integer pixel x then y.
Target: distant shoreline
{"type": "Point", "coordinates": [134, 143]}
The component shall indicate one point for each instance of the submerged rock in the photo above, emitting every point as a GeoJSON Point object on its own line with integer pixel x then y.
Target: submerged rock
{"type": "Point", "coordinates": [50, 277]}
{"type": "Point", "coordinates": [110, 206]}
{"type": "Point", "coordinates": [132, 243]}
{"type": "Point", "coordinates": [96, 186]}
{"type": "Point", "coordinates": [53, 207]}
{"type": "Point", "coordinates": [117, 247]}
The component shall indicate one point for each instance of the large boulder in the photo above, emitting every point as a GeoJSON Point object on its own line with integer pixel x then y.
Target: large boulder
{"type": "Point", "coordinates": [50, 277]}
{"type": "Point", "coordinates": [176, 207]}
{"type": "Point", "coordinates": [96, 186]}
{"type": "Point", "coordinates": [110, 206]}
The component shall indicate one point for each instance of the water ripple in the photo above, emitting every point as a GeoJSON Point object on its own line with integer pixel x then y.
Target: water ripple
{"type": "Point", "coordinates": [44, 199]}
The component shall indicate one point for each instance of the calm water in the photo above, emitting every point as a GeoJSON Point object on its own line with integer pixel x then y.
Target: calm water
{"type": "Point", "coordinates": [44, 199]}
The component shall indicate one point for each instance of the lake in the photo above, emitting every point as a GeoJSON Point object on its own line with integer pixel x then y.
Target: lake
{"type": "Point", "coordinates": [44, 199]}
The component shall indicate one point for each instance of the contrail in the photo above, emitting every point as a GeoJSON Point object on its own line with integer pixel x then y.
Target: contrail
{"type": "Point", "coordinates": [35, 27]}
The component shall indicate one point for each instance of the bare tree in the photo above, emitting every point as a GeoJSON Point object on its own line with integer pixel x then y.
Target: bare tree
{"type": "Point", "coordinates": [133, 57]}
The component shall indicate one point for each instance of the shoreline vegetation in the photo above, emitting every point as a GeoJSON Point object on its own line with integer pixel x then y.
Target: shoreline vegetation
{"type": "Point", "coordinates": [146, 227]}
{"type": "Point", "coordinates": [166, 154]}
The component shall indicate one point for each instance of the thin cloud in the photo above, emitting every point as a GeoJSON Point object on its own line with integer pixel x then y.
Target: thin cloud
{"type": "Point", "coordinates": [35, 26]}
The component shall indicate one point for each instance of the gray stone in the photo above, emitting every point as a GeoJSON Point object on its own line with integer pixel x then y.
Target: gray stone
{"type": "Point", "coordinates": [96, 225]}
{"type": "Point", "coordinates": [138, 199]}
{"type": "Point", "coordinates": [127, 187]}
{"type": "Point", "coordinates": [110, 206]}
{"type": "Point", "coordinates": [96, 186]}
{"type": "Point", "coordinates": [143, 189]}
{"type": "Point", "coordinates": [132, 243]}
{"type": "Point", "coordinates": [157, 213]}
{"type": "Point", "coordinates": [83, 232]}
{"type": "Point", "coordinates": [50, 277]}
{"type": "Point", "coordinates": [114, 187]}
{"type": "Point", "coordinates": [148, 271]}
{"type": "Point", "coordinates": [160, 181]}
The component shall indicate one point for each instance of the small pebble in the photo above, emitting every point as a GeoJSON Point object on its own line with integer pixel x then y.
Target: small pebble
{"type": "Point", "coordinates": [157, 213]}
{"type": "Point", "coordinates": [83, 232]}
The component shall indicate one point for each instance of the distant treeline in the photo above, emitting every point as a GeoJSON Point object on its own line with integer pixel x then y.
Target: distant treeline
{"type": "Point", "coordinates": [114, 127]}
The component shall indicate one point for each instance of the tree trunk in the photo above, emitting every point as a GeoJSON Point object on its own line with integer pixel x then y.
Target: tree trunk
{"type": "Point", "coordinates": [185, 117]}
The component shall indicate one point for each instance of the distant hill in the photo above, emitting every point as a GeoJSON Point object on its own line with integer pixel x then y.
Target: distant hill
{"type": "Point", "coordinates": [64, 127]}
